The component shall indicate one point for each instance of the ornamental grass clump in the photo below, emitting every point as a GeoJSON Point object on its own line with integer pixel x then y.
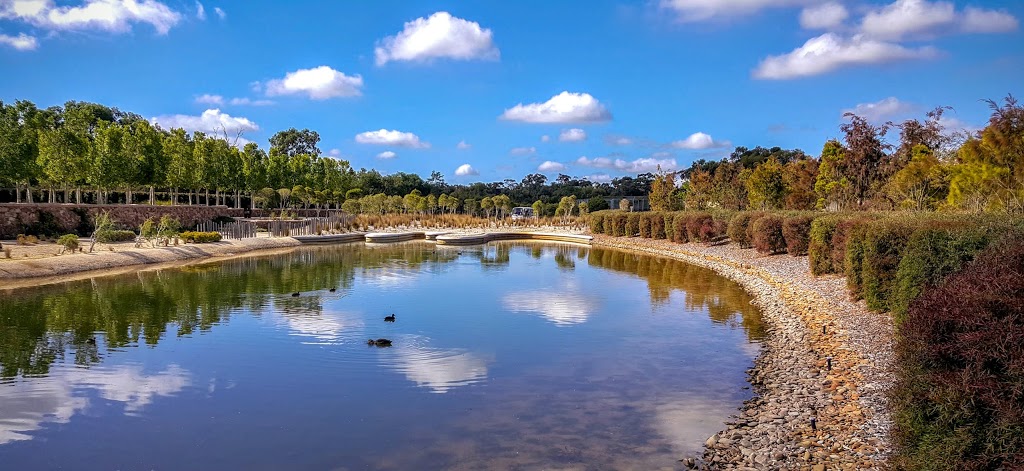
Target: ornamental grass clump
{"type": "Point", "coordinates": [959, 396]}
{"type": "Point", "coordinates": [767, 235]}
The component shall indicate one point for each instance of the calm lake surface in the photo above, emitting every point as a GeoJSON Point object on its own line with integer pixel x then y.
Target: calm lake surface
{"type": "Point", "coordinates": [504, 356]}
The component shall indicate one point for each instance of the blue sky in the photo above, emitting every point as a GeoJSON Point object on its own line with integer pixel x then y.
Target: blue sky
{"type": "Point", "coordinates": [617, 87]}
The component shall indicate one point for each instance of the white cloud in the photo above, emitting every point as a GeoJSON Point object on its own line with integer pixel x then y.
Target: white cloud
{"type": "Point", "coordinates": [243, 101]}
{"type": "Point", "coordinates": [883, 110]}
{"type": "Point", "coordinates": [212, 121]}
{"type": "Point", "coordinates": [387, 155]}
{"type": "Point", "coordinates": [558, 307]}
{"type": "Point", "coordinates": [825, 16]}
{"type": "Point", "coordinates": [437, 369]}
{"type": "Point", "coordinates": [334, 152]}
{"type": "Point", "coordinates": [643, 165]}
{"type": "Point", "coordinates": [699, 141]}
{"type": "Point", "coordinates": [106, 15]}
{"type": "Point", "coordinates": [916, 18]}
{"type": "Point", "coordinates": [26, 405]}
{"type": "Point", "coordinates": [384, 137]}
{"type": "Point", "coordinates": [907, 17]}
{"type": "Point", "coordinates": [208, 99]}
{"type": "Point", "coordinates": [701, 10]}
{"type": "Point", "coordinates": [21, 42]}
{"type": "Point", "coordinates": [462, 145]}
{"type": "Point", "coordinates": [830, 51]}
{"type": "Point", "coordinates": [466, 170]}
{"type": "Point", "coordinates": [976, 20]}
{"type": "Point", "coordinates": [200, 11]}
{"type": "Point", "coordinates": [562, 108]}
{"type": "Point", "coordinates": [523, 151]}
{"type": "Point", "coordinates": [573, 135]}
{"type": "Point", "coordinates": [439, 36]}
{"type": "Point", "coordinates": [618, 140]}
{"type": "Point", "coordinates": [599, 178]}
{"type": "Point", "coordinates": [549, 166]}
{"type": "Point", "coordinates": [221, 13]}
{"type": "Point", "coordinates": [545, 138]}
{"type": "Point", "coordinates": [320, 83]}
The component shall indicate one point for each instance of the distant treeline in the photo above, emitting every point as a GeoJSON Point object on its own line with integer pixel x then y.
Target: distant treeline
{"type": "Point", "coordinates": [931, 168]}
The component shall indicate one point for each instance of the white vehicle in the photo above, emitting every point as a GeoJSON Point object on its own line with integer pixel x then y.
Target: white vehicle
{"type": "Point", "coordinates": [522, 212]}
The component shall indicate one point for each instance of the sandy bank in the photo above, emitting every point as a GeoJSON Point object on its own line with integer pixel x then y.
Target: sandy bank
{"type": "Point", "coordinates": [124, 257]}
{"type": "Point", "coordinates": [811, 323]}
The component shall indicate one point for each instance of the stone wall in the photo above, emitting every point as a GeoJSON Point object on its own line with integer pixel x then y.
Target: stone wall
{"type": "Point", "coordinates": [77, 218]}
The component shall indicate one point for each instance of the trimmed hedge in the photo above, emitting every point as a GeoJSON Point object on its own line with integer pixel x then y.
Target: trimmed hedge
{"type": "Point", "coordinates": [597, 222]}
{"type": "Point", "coordinates": [632, 224]}
{"type": "Point", "coordinates": [819, 248]}
{"type": "Point", "coordinates": [959, 394]}
{"type": "Point", "coordinates": [669, 219]}
{"type": "Point", "coordinates": [882, 245]}
{"type": "Point", "coordinates": [797, 232]}
{"type": "Point", "coordinates": [738, 226]}
{"type": "Point", "coordinates": [645, 225]}
{"type": "Point", "coordinates": [200, 237]}
{"type": "Point", "coordinates": [767, 234]}
{"type": "Point", "coordinates": [618, 225]}
{"type": "Point", "coordinates": [657, 226]}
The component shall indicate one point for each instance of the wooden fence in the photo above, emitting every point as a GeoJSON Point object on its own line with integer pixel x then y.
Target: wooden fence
{"type": "Point", "coordinates": [229, 230]}
{"type": "Point", "coordinates": [308, 226]}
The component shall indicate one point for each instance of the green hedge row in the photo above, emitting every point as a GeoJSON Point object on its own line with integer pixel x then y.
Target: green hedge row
{"type": "Point", "coordinates": [676, 226]}
{"type": "Point", "coordinates": [200, 237]}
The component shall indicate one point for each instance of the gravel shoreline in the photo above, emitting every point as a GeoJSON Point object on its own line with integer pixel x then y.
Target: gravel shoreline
{"type": "Point", "coordinates": [811, 325]}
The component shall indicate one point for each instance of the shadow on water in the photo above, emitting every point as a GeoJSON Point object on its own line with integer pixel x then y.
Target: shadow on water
{"type": "Point", "coordinates": [512, 354]}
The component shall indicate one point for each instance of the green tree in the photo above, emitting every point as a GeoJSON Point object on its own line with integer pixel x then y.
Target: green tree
{"type": "Point", "coordinates": [111, 166]}
{"type": "Point", "coordinates": [64, 158]}
{"type": "Point", "coordinates": [662, 188]}
{"type": "Point", "coordinates": [989, 171]}
{"type": "Point", "coordinates": [766, 188]}
{"type": "Point", "coordinates": [292, 142]}
{"type": "Point", "coordinates": [920, 184]}
{"type": "Point", "coordinates": [831, 186]}
{"type": "Point", "coordinates": [799, 177]}
{"type": "Point", "coordinates": [181, 163]}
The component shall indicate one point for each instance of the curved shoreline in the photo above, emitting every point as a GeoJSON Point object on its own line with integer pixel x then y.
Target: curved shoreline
{"type": "Point", "coordinates": [791, 377]}
{"type": "Point", "coordinates": [42, 271]}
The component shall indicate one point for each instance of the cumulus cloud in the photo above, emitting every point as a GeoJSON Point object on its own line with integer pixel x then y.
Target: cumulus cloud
{"type": "Point", "coordinates": [825, 16]}
{"type": "Point", "coordinates": [319, 83]}
{"type": "Point", "coordinates": [384, 137]}
{"type": "Point", "coordinates": [882, 110]}
{"type": "Point", "coordinates": [701, 10]}
{"type": "Point", "coordinates": [573, 135]}
{"type": "Point", "coordinates": [561, 308]}
{"type": "Point", "coordinates": [208, 99]}
{"type": "Point", "coordinates": [462, 145]}
{"type": "Point", "coordinates": [642, 165]}
{"type": "Point", "coordinates": [564, 108]}
{"type": "Point", "coordinates": [212, 121]}
{"type": "Point", "coordinates": [441, 35]}
{"type": "Point", "coordinates": [21, 42]}
{"type": "Point", "coordinates": [549, 166]}
{"type": "Point", "coordinates": [699, 141]}
{"type": "Point", "coordinates": [830, 52]}
{"type": "Point", "coordinates": [334, 152]}
{"type": "Point", "coordinates": [915, 18]}
{"type": "Point", "coordinates": [386, 155]}
{"type": "Point", "coordinates": [523, 151]}
{"type": "Point", "coordinates": [115, 16]}
{"type": "Point", "coordinates": [599, 178]}
{"type": "Point", "coordinates": [466, 170]}
{"type": "Point", "coordinates": [977, 20]}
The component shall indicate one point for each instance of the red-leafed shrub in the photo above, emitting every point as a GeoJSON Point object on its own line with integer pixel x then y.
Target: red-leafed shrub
{"type": "Point", "coordinates": [959, 397]}
{"type": "Point", "coordinates": [797, 232]}
{"type": "Point", "coordinates": [695, 224]}
{"type": "Point", "coordinates": [767, 234]}
{"type": "Point", "coordinates": [713, 229]}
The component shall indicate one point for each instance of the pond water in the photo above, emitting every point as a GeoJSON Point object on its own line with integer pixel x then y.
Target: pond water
{"type": "Point", "coordinates": [504, 356]}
